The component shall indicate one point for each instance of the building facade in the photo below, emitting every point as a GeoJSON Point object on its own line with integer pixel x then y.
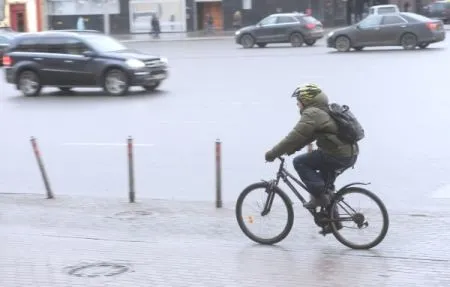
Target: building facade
{"type": "Point", "coordinates": [23, 15]}
{"type": "Point", "coordinates": [330, 12]}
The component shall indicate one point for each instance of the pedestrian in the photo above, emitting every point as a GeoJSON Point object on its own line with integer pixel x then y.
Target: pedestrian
{"type": "Point", "coordinates": [406, 6]}
{"type": "Point", "coordinates": [155, 26]}
{"type": "Point", "coordinates": [80, 23]}
{"type": "Point", "coordinates": [237, 20]}
{"type": "Point", "coordinates": [209, 23]}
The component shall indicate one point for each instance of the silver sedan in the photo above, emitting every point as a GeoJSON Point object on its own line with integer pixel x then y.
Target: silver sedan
{"type": "Point", "coordinates": [408, 30]}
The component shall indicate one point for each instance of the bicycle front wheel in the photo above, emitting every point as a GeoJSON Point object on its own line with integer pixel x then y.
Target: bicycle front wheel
{"type": "Point", "coordinates": [254, 223]}
{"type": "Point", "coordinates": [356, 212]}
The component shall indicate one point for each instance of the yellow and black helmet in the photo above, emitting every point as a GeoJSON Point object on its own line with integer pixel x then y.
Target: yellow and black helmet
{"type": "Point", "coordinates": [306, 92]}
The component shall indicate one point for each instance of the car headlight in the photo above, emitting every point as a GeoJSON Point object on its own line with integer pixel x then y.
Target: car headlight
{"type": "Point", "coordinates": [135, 63]}
{"type": "Point", "coordinates": [330, 34]}
{"type": "Point", "coordinates": [237, 32]}
{"type": "Point", "coordinates": [164, 60]}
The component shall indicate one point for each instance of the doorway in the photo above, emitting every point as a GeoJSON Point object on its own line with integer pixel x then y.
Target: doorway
{"type": "Point", "coordinates": [209, 8]}
{"type": "Point", "coordinates": [18, 17]}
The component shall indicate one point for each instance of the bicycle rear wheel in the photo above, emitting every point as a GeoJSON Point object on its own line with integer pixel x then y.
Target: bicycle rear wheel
{"type": "Point", "coordinates": [351, 212]}
{"type": "Point", "coordinates": [281, 210]}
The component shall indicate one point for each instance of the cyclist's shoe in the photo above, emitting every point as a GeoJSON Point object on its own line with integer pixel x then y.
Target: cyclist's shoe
{"type": "Point", "coordinates": [327, 229]}
{"type": "Point", "coordinates": [322, 200]}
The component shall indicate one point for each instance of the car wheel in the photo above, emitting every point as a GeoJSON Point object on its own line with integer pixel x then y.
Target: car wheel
{"type": "Point", "coordinates": [262, 45]}
{"type": "Point", "coordinates": [29, 83]}
{"type": "Point", "coordinates": [343, 44]}
{"type": "Point", "coordinates": [65, 89]}
{"type": "Point", "coordinates": [151, 87]}
{"type": "Point", "coordinates": [423, 45]}
{"type": "Point", "coordinates": [358, 48]}
{"type": "Point", "coordinates": [310, 42]}
{"type": "Point", "coordinates": [116, 82]}
{"type": "Point", "coordinates": [296, 40]}
{"type": "Point", "coordinates": [409, 41]}
{"type": "Point", "coordinates": [247, 41]}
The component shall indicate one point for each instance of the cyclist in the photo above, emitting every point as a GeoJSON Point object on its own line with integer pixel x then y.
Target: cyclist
{"type": "Point", "coordinates": [315, 124]}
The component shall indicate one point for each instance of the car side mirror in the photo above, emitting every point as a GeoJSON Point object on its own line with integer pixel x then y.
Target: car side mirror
{"type": "Point", "coordinates": [88, 54]}
{"type": "Point", "coordinates": [259, 25]}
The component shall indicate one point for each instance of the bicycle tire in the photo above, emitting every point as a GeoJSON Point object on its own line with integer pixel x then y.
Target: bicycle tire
{"type": "Point", "coordinates": [380, 204]}
{"type": "Point", "coordinates": [287, 202]}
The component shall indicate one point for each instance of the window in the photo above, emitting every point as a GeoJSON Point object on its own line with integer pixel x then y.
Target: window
{"type": "Point", "coordinates": [268, 20]}
{"type": "Point", "coordinates": [27, 45]}
{"type": "Point", "coordinates": [103, 43]}
{"type": "Point", "coordinates": [83, 7]}
{"type": "Point", "coordinates": [3, 40]}
{"type": "Point", "coordinates": [286, 20]}
{"type": "Point", "coordinates": [247, 4]}
{"type": "Point", "coordinates": [75, 47]}
{"type": "Point", "coordinates": [370, 21]}
{"type": "Point", "coordinates": [415, 18]}
{"type": "Point", "coordinates": [392, 20]}
{"type": "Point", "coordinates": [53, 45]}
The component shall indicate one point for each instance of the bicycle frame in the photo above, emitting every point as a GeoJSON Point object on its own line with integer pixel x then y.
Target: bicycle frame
{"type": "Point", "coordinates": [285, 176]}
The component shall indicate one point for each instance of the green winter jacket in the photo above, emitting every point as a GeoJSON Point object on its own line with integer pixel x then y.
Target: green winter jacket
{"type": "Point", "coordinates": [315, 124]}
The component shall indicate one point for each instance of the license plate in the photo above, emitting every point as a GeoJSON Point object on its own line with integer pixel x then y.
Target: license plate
{"type": "Point", "coordinates": [159, 76]}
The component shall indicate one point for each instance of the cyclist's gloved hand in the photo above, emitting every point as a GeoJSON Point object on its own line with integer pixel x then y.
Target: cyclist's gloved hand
{"type": "Point", "coordinates": [269, 156]}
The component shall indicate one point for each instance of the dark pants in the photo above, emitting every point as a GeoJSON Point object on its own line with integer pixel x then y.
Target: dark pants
{"type": "Point", "coordinates": [314, 168]}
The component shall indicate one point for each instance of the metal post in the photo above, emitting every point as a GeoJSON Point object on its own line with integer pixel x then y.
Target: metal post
{"type": "Point", "coordinates": [41, 168]}
{"type": "Point", "coordinates": [106, 26]}
{"type": "Point", "coordinates": [131, 194]}
{"type": "Point", "coordinates": [218, 174]}
{"type": "Point", "coordinates": [310, 149]}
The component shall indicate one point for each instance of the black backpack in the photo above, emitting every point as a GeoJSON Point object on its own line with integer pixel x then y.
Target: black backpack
{"type": "Point", "coordinates": [350, 130]}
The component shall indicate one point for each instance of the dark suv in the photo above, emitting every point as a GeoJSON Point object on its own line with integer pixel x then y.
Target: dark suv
{"type": "Point", "coordinates": [70, 59]}
{"type": "Point", "coordinates": [294, 28]}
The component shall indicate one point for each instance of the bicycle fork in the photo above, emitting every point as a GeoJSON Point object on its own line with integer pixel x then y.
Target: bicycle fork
{"type": "Point", "coordinates": [270, 197]}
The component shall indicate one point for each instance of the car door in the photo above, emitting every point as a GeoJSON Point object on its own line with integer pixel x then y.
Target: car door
{"type": "Point", "coordinates": [392, 27]}
{"type": "Point", "coordinates": [81, 67]}
{"type": "Point", "coordinates": [283, 27]}
{"type": "Point", "coordinates": [266, 29]}
{"type": "Point", "coordinates": [368, 31]}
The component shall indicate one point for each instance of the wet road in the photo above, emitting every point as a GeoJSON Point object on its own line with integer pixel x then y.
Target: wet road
{"type": "Point", "coordinates": [218, 90]}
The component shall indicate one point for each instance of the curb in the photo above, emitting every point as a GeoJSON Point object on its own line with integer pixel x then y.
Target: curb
{"type": "Point", "coordinates": [178, 40]}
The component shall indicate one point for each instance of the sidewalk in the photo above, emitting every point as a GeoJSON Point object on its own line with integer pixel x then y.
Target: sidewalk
{"type": "Point", "coordinates": [191, 36]}
{"type": "Point", "coordinates": [87, 242]}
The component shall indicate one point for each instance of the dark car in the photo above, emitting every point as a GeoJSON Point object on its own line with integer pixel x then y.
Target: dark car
{"type": "Point", "coordinates": [5, 39]}
{"type": "Point", "coordinates": [67, 60]}
{"type": "Point", "coordinates": [294, 28]}
{"type": "Point", "coordinates": [439, 10]}
{"type": "Point", "coordinates": [408, 30]}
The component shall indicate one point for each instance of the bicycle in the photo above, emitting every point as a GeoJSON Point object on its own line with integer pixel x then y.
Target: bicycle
{"type": "Point", "coordinates": [326, 215]}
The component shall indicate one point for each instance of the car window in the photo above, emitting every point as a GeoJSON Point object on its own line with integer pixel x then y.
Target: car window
{"type": "Point", "coordinates": [387, 10]}
{"type": "Point", "coordinates": [3, 40]}
{"type": "Point", "coordinates": [392, 20]}
{"type": "Point", "coordinates": [75, 46]}
{"type": "Point", "coordinates": [437, 6]}
{"type": "Point", "coordinates": [268, 20]}
{"type": "Point", "coordinates": [415, 18]}
{"type": "Point", "coordinates": [27, 45]}
{"type": "Point", "coordinates": [370, 21]}
{"type": "Point", "coordinates": [53, 45]}
{"type": "Point", "coordinates": [103, 43]}
{"type": "Point", "coordinates": [286, 20]}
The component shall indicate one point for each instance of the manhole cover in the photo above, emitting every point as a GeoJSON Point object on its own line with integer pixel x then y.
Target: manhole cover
{"type": "Point", "coordinates": [130, 215]}
{"type": "Point", "coordinates": [100, 269]}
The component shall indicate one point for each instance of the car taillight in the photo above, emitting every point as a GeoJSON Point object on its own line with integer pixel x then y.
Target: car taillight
{"type": "Point", "coordinates": [432, 26]}
{"type": "Point", "coordinates": [7, 61]}
{"type": "Point", "coordinates": [310, 26]}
